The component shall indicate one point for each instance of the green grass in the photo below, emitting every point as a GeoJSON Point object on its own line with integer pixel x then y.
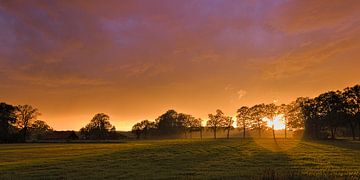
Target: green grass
{"type": "Point", "coordinates": [164, 159]}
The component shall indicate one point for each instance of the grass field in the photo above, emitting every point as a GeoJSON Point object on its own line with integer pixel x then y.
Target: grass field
{"type": "Point", "coordinates": [164, 159]}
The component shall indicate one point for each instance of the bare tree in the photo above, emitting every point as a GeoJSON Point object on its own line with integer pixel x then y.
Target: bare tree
{"type": "Point", "coordinates": [25, 115]}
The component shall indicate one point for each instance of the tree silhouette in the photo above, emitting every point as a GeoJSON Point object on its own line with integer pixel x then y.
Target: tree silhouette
{"type": "Point", "coordinates": [216, 121]}
{"type": "Point", "coordinates": [228, 125]}
{"type": "Point", "coordinates": [352, 96]}
{"type": "Point", "coordinates": [143, 128]}
{"type": "Point", "coordinates": [25, 115]}
{"type": "Point", "coordinates": [98, 128]}
{"type": "Point", "coordinates": [137, 130]}
{"type": "Point", "coordinates": [257, 113]}
{"type": "Point", "coordinates": [39, 129]}
{"type": "Point", "coordinates": [7, 121]}
{"type": "Point", "coordinates": [169, 123]}
{"type": "Point", "coordinates": [244, 119]}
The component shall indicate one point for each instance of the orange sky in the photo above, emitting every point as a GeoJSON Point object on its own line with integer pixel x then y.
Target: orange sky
{"type": "Point", "coordinates": [136, 59]}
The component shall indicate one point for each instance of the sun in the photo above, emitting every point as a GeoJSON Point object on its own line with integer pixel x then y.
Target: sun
{"type": "Point", "coordinates": [278, 122]}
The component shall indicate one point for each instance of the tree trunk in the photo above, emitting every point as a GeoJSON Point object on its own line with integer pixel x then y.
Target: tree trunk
{"type": "Point", "coordinates": [214, 132]}
{"type": "Point", "coordinates": [228, 133]}
{"type": "Point", "coordinates": [352, 130]}
{"type": "Point", "coordinates": [244, 133]}
{"type": "Point", "coordinates": [285, 127]}
{"type": "Point", "coordinates": [332, 134]}
{"type": "Point", "coordinates": [259, 133]}
{"type": "Point", "coordinates": [259, 128]}
{"type": "Point", "coordinates": [359, 130]}
{"type": "Point", "coordinates": [273, 130]}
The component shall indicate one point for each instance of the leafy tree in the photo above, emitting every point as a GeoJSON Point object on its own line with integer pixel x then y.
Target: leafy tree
{"type": "Point", "coordinates": [25, 115]}
{"type": "Point", "coordinates": [352, 96]}
{"type": "Point", "coordinates": [7, 122]}
{"type": "Point", "coordinates": [39, 129]}
{"type": "Point", "coordinates": [98, 128]}
{"type": "Point", "coordinates": [294, 115]}
{"type": "Point", "coordinates": [270, 111]}
{"type": "Point", "coordinates": [257, 113]}
{"type": "Point", "coordinates": [310, 111]}
{"type": "Point", "coordinates": [197, 126]}
{"type": "Point", "coordinates": [143, 128]}
{"type": "Point", "coordinates": [169, 123]}
{"type": "Point", "coordinates": [228, 125]}
{"type": "Point", "coordinates": [216, 121]}
{"type": "Point", "coordinates": [244, 119]}
{"type": "Point", "coordinates": [331, 110]}
{"type": "Point", "coordinates": [185, 122]}
{"type": "Point", "coordinates": [137, 130]}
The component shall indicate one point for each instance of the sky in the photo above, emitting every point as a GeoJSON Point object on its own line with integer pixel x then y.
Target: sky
{"type": "Point", "coordinates": [134, 60]}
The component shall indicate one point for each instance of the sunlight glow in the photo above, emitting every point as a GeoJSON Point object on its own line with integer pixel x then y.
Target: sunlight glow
{"type": "Point", "coordinates": [278, 122]}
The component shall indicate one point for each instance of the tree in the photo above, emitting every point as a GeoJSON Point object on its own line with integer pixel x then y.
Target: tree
{"type": "Point", "coordinates": [169, 123]}
{"type": "Point", "coordinates": [25, 115]}
{"type": "Point", "coordinates": [244, 119]}
{"type": "Point", "coordinates": [137, 130]}
{"type": "Point", "coordinates": [271, 111]}
{"type": "Point", "coordinates": [310, 111]}
{"type": "Point", "coordinates": [257, 113]}
{"type": "Point", "coordinates": [98, 128]}
{"type": "Point", "coordinates": [7, 122]}
{"type": "Point", "coordinates": [197, 126]}
{"type": "Point", "coordinates": [216, 121]}
{"type": "Point", "coordinates": [228, 125]}
{"type": "Point", "coordinates": [294, 115]}
{"type": "Point", "coordinates": [147, 126]}
{"type": "Point", "coordinates": [331, 110]}
{"type": "Point", "coordinates": [39, 129]}
{"type": "Point", "coordinates": [352, 98]}
{"type": "Point", "coordinates": [143, 128]}
{"type": "Point", "coordinates": [185, 123]}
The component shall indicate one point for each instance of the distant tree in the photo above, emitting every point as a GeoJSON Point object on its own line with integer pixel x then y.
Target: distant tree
{"type": "Point", "coordinates": [352, 98]}
{"type": "Point", "coordinates": [228, 125]}
{"type": "Point", "coordinates": [143, 128]}
{"type": "Point", "coordinates": [197, 126]}
{"type": "Point", "coordinates": [310, 111]}
{"type": "Point", "coordinates": [244, 119]}
{"type": "Point", "coordinates": [170, 123]}
{"type": "Point", "coordinates": [185, 122]}
{"type": "Point", "coordinates": [331, 110]}
{"type": "Point", "coordinates": [25, 115]}
{"type": "Point", "coordinates": [137, 130]}
{"type": "Point", "coordinates": [39, 129]}
{"type": "Point", "coordinates": [216, 121]}
{"type": "Point", "coordinates": [147, 126]}
{"type": "Point", "coordinates": [98, 128]}
{"type": "Point", "coordinates": [7, 122]}
{"type": "Point", "coordinates": [271, 111]}
{"type": "Point", "coordinates": [257, 113]}
{"type": "Point", "coordinates": [294, 115]}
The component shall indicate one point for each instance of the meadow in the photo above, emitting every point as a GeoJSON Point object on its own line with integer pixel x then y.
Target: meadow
{"type": "Point", "coordinates": [186, 158]}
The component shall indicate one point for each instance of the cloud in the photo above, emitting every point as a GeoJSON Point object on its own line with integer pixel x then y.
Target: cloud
{"type": "Point", "coordinates": [241, 93]}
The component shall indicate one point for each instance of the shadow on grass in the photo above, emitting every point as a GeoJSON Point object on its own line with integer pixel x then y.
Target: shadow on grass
{"type": "Point", "coordinates": [345, 144]}
{"type": "Point", "coordinates": [169, 159]}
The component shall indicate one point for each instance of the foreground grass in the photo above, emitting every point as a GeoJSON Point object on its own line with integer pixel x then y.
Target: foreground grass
{"type": "Point", "coordinates": [164, 159]}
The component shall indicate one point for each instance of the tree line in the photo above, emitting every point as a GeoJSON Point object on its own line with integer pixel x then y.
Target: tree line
{"type": "Point", "coordinates": [20, 123]}
{"type": "Point", "coordinates": [331, 114]}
